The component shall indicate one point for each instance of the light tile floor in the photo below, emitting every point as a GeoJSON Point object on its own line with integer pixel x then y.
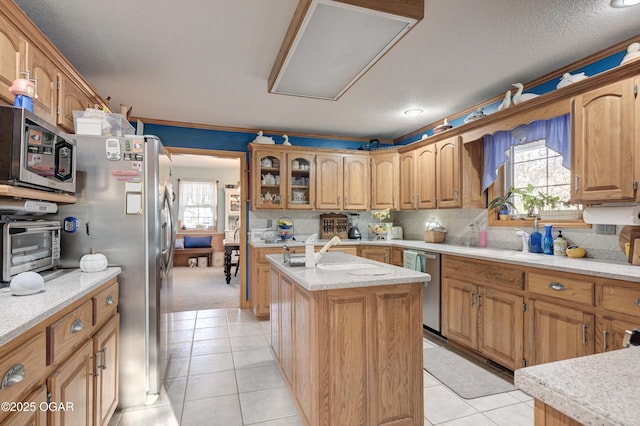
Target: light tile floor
{"type": "Point", "coordinates": [221, 372]}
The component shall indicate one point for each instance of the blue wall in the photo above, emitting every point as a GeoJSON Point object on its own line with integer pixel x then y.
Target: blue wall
{"type": "Point", "coordinates": [185, 137]}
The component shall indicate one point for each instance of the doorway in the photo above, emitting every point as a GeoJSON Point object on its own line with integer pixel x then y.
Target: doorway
{"type": "Point", "coordinates": [198, 287]}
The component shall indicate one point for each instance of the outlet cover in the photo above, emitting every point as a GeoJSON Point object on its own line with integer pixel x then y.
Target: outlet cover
{"type": "Point", "coordinates": [606, 229]}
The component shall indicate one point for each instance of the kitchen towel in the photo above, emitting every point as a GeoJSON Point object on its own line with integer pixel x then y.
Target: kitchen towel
{"type": "Point", "coordinates": [412, 260]}
{"type": "Point", "coordinates": [612, 215]}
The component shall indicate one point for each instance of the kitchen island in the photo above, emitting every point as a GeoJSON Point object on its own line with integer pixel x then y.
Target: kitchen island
{"type": "Point", "coordinates": [347, 336]}
{"type": "Point", "coordinates": [591, 390]}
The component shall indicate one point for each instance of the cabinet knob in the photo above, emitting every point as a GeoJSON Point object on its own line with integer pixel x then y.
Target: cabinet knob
{"type": "Point", "coordinates": [14, 375]}
{"type": "Point", "coordinates": [557, 286]}
{"type": "Point", "coordinates": [76, 326]}
{"type": "Point", "coordinates": [109, 300]}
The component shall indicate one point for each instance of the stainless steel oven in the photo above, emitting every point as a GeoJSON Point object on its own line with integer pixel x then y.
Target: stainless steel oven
{"type": "Point", "coordinates": [29, 246]}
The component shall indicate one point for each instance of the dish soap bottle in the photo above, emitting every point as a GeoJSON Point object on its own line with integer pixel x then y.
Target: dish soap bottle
{"type": "Point", "coordinates": [535, 239]}
{"type": "Point", "coordinates": [547, 243]}
{"type": "Point", "coordinates": [560, 245]}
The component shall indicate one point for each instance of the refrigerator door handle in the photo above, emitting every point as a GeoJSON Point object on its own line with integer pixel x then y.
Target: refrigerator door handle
{"type": "Point", "coordinates": [168, 251]}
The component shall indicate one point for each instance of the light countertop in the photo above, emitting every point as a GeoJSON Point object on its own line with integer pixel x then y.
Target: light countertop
{"type": "Point", "coordinates": [20, 313]}
{"type": "Point", "coordinates": [594, 390]}
{"type": "Point", "coordinates": [594, 267]}
{"type": "Point", "coordinates": [338, 275]}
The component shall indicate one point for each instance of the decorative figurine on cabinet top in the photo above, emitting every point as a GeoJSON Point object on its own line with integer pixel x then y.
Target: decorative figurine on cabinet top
{"type": "Point", "coordinates": [266, 140]}
{"type": "Point", "coordinates": [520, 97]}
{"type": "Point", "coordinates": [568, 79]}
{"type": "Point", "coordinates": [633, 53]}
{"type": "Point", "coordinates": [506, 102]}
{"type": "Point", "coordinates": [286, 140]}
{"type": "Point", "coordinates": [25, 92]}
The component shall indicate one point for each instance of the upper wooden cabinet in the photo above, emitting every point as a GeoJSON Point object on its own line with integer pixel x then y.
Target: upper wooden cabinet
{"type": "Point", "coordinates": [603, 124]}
{"type": "Point", "coordinates": [267, 180]}
{"type": "Point", "coordinates": [342, 182]}
{"type": "Point", "coordinates": [385, 180]}
{"type": "Point", "coordinates": [300, 183]}
{"type": "Point", "coordinates": [27, 53]}
{"type": "Point", "coordinates": [443, 174]}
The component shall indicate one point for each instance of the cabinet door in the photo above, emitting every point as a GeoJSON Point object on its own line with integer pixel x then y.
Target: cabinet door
{"type": "Point", "coordinates": [356, 183]}
{"type": "Point", "coordinates": [460, 312]}
{"type": "Point", "coordinates": [262, 294]}
{"type": "Point", "coordinates": [46, 75]}
{"type": "Point", "coordinates": [106, 348]}
{"type": "Point", "coordinates": [426, 177]}
{"type": "Point", "coordinates": [274, 313]}
{"type": "Point", "coordinates": [286, 327]}
{"type": "Point", "coordinates": [385, 181]}
{"type": "Point", "coordinates": [602, 144]}
{"type": "Point", "coordinates": [301, 192]}
{"type": "Point", "coordinates": [267, 183]}
{"type": "Point", "coordinates": [73, 383]}
{"type": "Point", "coordinates": [448, 173]}
{"type": "Point", "coordinates": [329, 178]}
{"type": "Point", "coordinates": [557, 333]}
{"type": "Point", "coordinates": [31, 417]}
{"type": "Point", "coordinates": [12, 60]}
{"type": "Point", "coordinates": [501, 327]}
{"type": "Point", "coordinates": [407, 181]}
{"type": "Point", "coordinates": [381, 254]}
{"type": "Point", "coordinates": [70, 98]}
{"type": "Point", "coordinates": [611, 332]}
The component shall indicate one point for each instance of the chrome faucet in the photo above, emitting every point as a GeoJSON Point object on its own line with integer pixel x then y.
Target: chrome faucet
{"type": "Point", "coordinates": [525, 239]}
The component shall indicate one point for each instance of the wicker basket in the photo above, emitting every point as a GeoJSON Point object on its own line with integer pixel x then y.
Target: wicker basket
{"type": "Point", "coordinates": [434, 236]}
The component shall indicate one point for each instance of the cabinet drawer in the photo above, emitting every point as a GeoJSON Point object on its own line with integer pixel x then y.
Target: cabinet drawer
{"type": "Point", "coordinates": [68, 332]}
{"type": "Point", "coordinates": [484, 273]}
{"type": "Point", "coordinates": [105, 304]}
{"type": "Point", "coordinates": [570, 289]}
{"type": "Point", "coordinates": [621, 299]}
{"type": "Point", "coordinates": [262, 253]}
{"type": "Point", "coordinates": [22, 368]}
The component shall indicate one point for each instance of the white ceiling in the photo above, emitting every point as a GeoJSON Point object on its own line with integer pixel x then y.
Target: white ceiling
{"type": "Point", "coordinates": [208, 61]}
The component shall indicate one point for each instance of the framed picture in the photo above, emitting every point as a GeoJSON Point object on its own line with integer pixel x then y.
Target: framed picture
{"type": "Point", "coordinates": [193, 262]}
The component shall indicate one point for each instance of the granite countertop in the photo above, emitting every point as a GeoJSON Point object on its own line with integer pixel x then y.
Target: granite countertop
{"type": "Point", "coordinates": [20, 313]}
{"type": "Point", "coordinates": [337, 276]}
{"type": "Point", "coordinates": [598, 268]}
{"type": "Point", "coordinates": [594, 390]}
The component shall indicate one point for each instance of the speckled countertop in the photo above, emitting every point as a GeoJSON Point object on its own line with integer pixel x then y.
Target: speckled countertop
{"type": "Point", "coordinates": [594, 390]}
{"type": "Point", "coordinates": [337, 270]}
{"type": "Point", "coordinates": [598, 268]}
{"type": "Point", "coordinates": [20, 313]}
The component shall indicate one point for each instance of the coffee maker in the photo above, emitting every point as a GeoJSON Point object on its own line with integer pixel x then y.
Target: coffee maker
{"type": "Point", "coordinates": [354, 232]}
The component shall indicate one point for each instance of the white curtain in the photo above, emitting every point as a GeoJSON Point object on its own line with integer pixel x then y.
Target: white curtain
{"type": "Point", "coordinates": [200, 196]}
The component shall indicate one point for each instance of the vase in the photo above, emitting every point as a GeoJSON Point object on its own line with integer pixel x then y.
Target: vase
{"type": "Point", "coordinates": [547, 242]}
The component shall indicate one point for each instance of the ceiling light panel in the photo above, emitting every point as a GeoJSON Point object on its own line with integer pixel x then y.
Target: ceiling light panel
{"type": "Point", "coordinates": [336, 44]}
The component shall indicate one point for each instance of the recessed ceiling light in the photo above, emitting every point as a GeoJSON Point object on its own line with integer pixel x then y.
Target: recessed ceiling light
{"type": "Point", "coordinates": [415, 111]}
{"type": "Point", "coordinates": [624, 3]}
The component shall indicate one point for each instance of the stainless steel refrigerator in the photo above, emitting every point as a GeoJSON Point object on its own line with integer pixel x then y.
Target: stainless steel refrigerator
{"type": "Point", "coordinates": [125, 212]}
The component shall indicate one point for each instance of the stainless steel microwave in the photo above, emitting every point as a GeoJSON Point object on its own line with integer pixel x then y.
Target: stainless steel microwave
{"type": "Point", "coordinates": [29, 246]}
{"type": "Point", "coordinates": [35, 153]}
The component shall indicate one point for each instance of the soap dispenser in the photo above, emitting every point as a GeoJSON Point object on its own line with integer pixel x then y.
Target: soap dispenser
{"type": "Point", "coordinates": [560, 245]}
{"type": "Point", "coordinates": [535, 240]}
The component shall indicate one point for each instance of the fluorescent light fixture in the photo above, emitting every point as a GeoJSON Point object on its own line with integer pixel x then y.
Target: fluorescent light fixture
{"type": "Point", "coordinates": [624, 3]}
{"type": "Point", "coordinates": [331, 44]}
{"type": "Point", "coordinates": [413, 112]}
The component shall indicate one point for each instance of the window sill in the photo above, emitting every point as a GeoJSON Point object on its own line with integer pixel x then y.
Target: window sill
{"type": "Point", "coordinates": [528, 223]}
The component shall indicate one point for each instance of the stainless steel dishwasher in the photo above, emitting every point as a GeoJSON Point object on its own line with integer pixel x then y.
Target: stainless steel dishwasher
{"type": "Point", "coordinates": [431, 295]}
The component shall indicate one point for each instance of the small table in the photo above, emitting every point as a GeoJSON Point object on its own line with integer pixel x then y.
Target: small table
{"type": "Point", "coordinates": [229, 247]}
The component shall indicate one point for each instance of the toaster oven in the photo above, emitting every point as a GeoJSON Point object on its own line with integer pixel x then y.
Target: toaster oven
{"type": "Point", "coordinates": [29, 246]}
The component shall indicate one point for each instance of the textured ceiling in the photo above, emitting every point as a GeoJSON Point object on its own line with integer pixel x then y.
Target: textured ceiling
{"type": "Point", "coordinates": [208, 61]}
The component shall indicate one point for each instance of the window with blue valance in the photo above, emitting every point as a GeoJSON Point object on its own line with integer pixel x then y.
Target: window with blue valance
{"type": "Point", "coordinates": [555, 132]}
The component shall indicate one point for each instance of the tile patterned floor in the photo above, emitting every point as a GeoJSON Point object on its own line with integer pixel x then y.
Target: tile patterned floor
{"type": "Point", "coordinates": [221, 372]}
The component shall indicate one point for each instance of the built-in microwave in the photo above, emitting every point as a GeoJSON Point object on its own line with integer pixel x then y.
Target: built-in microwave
{"type": "Point", "coordinates": [32, 245]}
{"type": "Point", "coordinates": [35, 153]}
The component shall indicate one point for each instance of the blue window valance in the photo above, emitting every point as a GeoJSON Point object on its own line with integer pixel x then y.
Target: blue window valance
{"type": "Point", "coordinates": [555, 132]}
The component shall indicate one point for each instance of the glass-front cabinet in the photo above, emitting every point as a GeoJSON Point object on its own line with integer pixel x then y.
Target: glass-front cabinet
{"type": "Point", "coordinates": [232, 208]}
{"type": "Point", "coordinates": [268, 181]}
{"type": "Point", "coordinates": [300, 182]}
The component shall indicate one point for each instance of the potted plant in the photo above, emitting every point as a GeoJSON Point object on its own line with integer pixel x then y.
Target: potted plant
{"type": "Point", "coordinates": [503, 205]}
{"type": "Point", "coordinates": [536, 202]}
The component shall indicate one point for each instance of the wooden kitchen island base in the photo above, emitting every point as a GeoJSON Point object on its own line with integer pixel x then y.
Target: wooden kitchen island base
{"type": "Point", "coordinates": [350, 356]}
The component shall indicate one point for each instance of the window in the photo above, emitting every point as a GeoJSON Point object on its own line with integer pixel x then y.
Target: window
{"type": "Point", "coordinates": [535, 164]}
{"type": "Point", "coordinates": [198, 204]}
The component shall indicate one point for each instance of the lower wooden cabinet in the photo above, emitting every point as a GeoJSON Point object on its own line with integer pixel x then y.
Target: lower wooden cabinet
{"type": "Point", "coordinates": [106, 344]}
{"type": "Point", "coordinates": [379, 253]}
{"type": "Point", "coordinates": [486, 320]}
{"type": "Point", "coordinates": [350, 356]}
{"type": "Point", "coordinates": [35, 415]}
{"type": "Point", "coordinates": [558, 332]}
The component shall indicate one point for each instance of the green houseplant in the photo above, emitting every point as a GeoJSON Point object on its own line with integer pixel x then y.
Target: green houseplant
{"type": "Point", "coordinates": [534, 202]}
{"type": "Point", "coordinates": [502, 204]}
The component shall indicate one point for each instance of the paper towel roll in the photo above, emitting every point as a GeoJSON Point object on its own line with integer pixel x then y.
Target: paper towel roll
{"type": "Point", "coordinates": [612, 215]}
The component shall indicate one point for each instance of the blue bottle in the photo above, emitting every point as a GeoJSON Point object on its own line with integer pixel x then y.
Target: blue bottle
{"type": "Point", "coordinates": [547, 243]}
{"type": "Point", "coordinates": [535, 239]}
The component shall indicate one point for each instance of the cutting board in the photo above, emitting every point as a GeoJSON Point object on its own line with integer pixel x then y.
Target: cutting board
{"type": "Point", "coordinates": [630, 234]}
